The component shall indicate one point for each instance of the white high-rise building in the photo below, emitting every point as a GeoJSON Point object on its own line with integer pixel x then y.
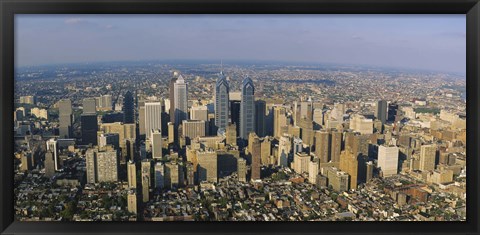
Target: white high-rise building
{"type": "Point", "coordinates": [153, 117]}
{"type": "Point", "coordinates": [388, 160]}
{"type": "Point", "coordinates": [156, 142]}
{"type": "Point", "coordinates": [312, 171]}
{"type": "Point", "coordinates": [181, 100]}
{"type": "Point", "coordinates": [52, 147]}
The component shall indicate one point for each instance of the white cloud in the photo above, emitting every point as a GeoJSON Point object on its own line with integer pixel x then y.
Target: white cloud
{"type": "Point", "coordinates": [74, 21]}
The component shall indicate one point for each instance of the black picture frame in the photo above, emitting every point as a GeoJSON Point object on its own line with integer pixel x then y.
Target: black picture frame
{"type": "Point", "coordinates": [9, 8]}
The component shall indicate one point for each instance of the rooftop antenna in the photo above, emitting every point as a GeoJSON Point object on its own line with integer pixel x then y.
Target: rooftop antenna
{"type": "Point", "coordinates": [221, 64]}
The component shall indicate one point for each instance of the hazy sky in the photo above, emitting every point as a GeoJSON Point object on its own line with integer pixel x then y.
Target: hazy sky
{"type": "Point", "coordinates": [433, 42]}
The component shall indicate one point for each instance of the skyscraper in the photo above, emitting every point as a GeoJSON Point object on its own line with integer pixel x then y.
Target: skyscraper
{"type": "Point", "coordinates": [336, 146]}
{"type": "Point", "coordinates": [128, 108]}
{"type": "Point", "coordinates": [231, 134]}
{"type": "Point", "coordinates": [222, 90]}
{"type": "Point", "coordinates": [247, 108]}
{"type": "Point", "coordinates": [322, 146]}
{"type": "Point", "coordinates": [65, 118]}
{"type": "Point", "coordinates": [90, 161]}
{"type": "Point", "coordinates": [89, 126]}
{"type": "Point", "coordinates": [301, 163]}
{"type": "Point", "coordinates": [279, 120]}
{"type": "Point", "coordinates": [381, 112]}
{"type": "Point", "coordinates": [313, 171]}
{"type": "Point", "coordinates": [102, 165]}
{"type": "Point", "coordinates": [153, 117]}
{"type": "Point", "coordinates": [392, 111]}
{"type": "Point", "coordinates": [146, 179]}
{"type": "Point", "coordinates": [125, 132]}
{"type": "Point", "coordinates": [181, 100]}
{"type": "Point", "coordinates": [89, 106]}
{"type": "Point", "coordinates": [207, 166]}
{"type": "Point", "coordinates": [260, 110]}
{"type": "Point", "coordinates": [141, 119]}
{"type": "Point", "coordinates": [235, 114]}
{"type": "Point", "coordinates": [349, 164]}
{"type": "Point", "coordinates": [388, 160]}
{"type": "Point", "coordinates": [199, 113]}
{"type": "Point", "coordinates": [173, 174]}
{"type": "Point", "coordinates": [242, 169]}
{"type": "Point", "coordinates": [49, 164]}
{"type": "Point", "coordinates": [256, 158]}
{"type": "Point", "coordinates": [132, 174]}
{"type": "Point", "coordinates": [156, 142]}
{"type": "Point", "coordinates": [172, 96]}
{"type": "Point", "coordinates": [107, 166]}
{"type": "Point", "coordinates": [52, 147]}
{"type": "Point", "coordinates": [192, 129]}
{"type": "Point", "coordinates": [132, 202]}
{"type": "Point", "coordinates": [190, 179]}
{"type": "Point", "coordinates": [159, 175]}
{"type": "Point", "coordinates": [284, 149]}
{"type": "Point", "coordinates": [427, 157]}
{"type": "Point", "coordinates": [297, 145]}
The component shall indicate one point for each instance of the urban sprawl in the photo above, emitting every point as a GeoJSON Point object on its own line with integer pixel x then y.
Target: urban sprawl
{"type": "Point", "coordinates": [249, 142]}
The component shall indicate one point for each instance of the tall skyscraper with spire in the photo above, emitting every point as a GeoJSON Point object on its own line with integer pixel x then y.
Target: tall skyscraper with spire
{"type": "Point", "coordinates": [247, 108]}
{"type": "Point", "coordinates": [221, 101]}
{"type": "Point", "coordinates": [181, 101]}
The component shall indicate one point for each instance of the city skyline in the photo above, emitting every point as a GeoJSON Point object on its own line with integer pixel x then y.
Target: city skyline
{"type": "Point", "coordinates": [428, 42]}
{"type": "Point", "coordinates": [190, 140]}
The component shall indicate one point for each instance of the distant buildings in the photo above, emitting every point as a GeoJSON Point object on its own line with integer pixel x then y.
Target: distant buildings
{"type": "Point", "coordinates": [29, 99]}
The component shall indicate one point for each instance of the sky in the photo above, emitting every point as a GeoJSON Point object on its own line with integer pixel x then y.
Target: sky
{"type": "Point", "coordinates": [427, 42]}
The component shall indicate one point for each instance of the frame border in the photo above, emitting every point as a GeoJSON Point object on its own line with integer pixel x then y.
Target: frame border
{"type": "Point", "coordinates": [9, 8]}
